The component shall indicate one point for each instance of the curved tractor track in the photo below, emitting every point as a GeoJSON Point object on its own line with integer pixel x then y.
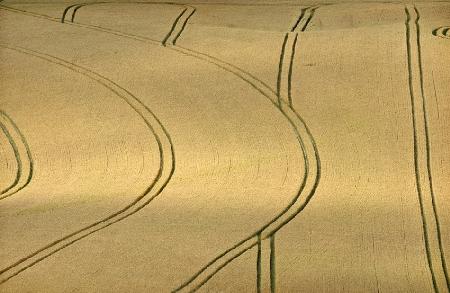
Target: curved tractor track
{"type": "Point", "coordinates": [281, 99]}
{"type": "Point", "coordinates": [308, 147]}
{"type": "Point", "coordinates": [309, 151]}
{"type": "Point", "coordinates": [155, 187]}
{"type": "Point", "coordinates": [22, 154]}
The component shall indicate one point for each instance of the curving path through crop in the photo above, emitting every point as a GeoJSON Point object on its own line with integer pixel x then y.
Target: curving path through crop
{"type": "Point", "coordinates": [296, 205]}
{"type": "Point", "coordinates": [22, 154]}
{"type": "Point", "coordinates": [155, 187]}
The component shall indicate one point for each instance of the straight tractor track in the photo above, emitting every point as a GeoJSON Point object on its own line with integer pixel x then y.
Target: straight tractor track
{"type": "Point", "coordinates": [287, 54]}
{"type": "Point", "coordinates": [422, 155]}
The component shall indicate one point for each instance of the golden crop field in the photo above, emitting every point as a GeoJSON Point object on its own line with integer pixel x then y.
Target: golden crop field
{"type": "Point", "coordinates": [224, 146]}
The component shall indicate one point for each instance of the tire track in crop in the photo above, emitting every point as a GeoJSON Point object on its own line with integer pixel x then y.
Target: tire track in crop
{"type": "Point", "coordinates": [262, 87]}
{"type": "Point", "coordinates": [21, 152]}
{"type": "Point", "coordinates": [66, 11]}
{"type": "Point", "coordinates": [180, 29]}
{"type": "Point", "coordinates": [90, 27]}
{"type": "Point", "coordinates": [178, 26]}
{"type": "Point", "coordinates": [422, 160]}
{"type": "Point", "coordinates": [288, 53]}
{"type": "Point", "coordinates": [16, 156]}
{"type": "Point", "coordinates": [172, 36]}
{"type": "Point", "coordinates": [155, 187]}
{"type": "Point", "coordinates": [174, 25]}
{"type": "Point", "coordinates": [442, 32]}
{"type": "Point", "coordinates": [309, 151]}
{"type": "Point", "coordinates": [298, 125]}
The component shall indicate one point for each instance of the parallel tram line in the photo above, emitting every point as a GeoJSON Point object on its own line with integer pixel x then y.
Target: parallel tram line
{"type": "Point", "coordinates": [287, 54]}
{"type": "Point", "coordinates": [164, 41]}
{"type": "Point", "coordinates": [172, 36]}
{"type": "Point", "coordinates": [20, 155]}
{"type": "Point", "coordinates": [422, 156]}
{"type": "Point", "coordinates": [18, 172]}
{"type": "Point", "coordinates": [165, 171]}
{"type": "Point", "coordinates": [432, 237]}
{"type": "Point", "coordinates": [442, 32]}
{"type": "Point", "coordinates": [286, 109]}
{"type": "Point", "coordinates": [210, 269]}
{"type": "Point", "coordinates": [428, 148]}
{"type": "Point", "coordinates": [183, 26]}
{"type": "Point", "coordinates": [299, 127]}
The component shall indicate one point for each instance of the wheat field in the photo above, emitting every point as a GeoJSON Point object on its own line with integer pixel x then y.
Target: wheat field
{"type": "Point", "coordinates": [234, 146]}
